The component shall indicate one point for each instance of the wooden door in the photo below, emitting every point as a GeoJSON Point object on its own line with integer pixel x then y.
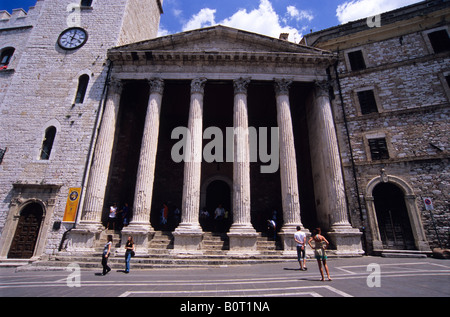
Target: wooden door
{"type": "Point", "coordinates": [393, 220]}
{"type": "Point", "coordinates": [27, 231]}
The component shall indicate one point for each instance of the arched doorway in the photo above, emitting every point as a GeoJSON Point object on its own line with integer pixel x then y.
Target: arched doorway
{"type": "Point", "coordinates": [392, 217]}
{"type": "Point", "coordinates": [27, 232]}
{"type": "Point", "coordinates": [218, 193]}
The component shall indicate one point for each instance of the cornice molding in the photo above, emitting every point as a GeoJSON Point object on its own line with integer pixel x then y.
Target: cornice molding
{"type": "Point", "coordinates": [170, 57]}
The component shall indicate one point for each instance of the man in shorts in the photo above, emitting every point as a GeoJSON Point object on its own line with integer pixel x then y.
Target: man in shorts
{"type": "Point", "coordinates": [300, 238]}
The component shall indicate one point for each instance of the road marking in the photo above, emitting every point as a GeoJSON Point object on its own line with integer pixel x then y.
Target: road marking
{"type": "Point", "coordinates": [268, 292]}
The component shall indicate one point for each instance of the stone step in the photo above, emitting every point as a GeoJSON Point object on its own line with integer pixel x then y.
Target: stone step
{"type": "Point", "coordinates": [403, 254]}
{"type": "Point", "coordinates": [94, 261]}
{"type": "Point", "coordinates": [159, 253]}
{"type": "Point", "coordinates": [214, 242]}
{"type": "Point", "coordinates": [170, 260]}
{"type": "Point", "coordinates": [103, 239]}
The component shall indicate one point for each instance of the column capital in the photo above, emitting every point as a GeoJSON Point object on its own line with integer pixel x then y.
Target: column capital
{"type": "Point", "coordinates": [282, 86]}
{"type": "Point", "coordinates": [322, 88]}
{"type": "Point", "coordinates": [115, 84]}
{"type": "Point", "coordinates": [241, 85]}
{"type": "Point", "coordinates": [198, 86]}
{"type": "Point", "coordinates": [156, 85]}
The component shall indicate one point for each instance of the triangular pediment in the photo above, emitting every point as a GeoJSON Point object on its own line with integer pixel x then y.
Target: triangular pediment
{"type": "Point", "coordinates": [218, 39]}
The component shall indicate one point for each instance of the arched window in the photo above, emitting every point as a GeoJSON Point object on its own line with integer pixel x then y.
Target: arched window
{"type": "Point", "coordinates": [6, 56]}
{"type": "Point", "coordinates": [83, 82]}
{"type": "Point", "coordinates": [47, 144]}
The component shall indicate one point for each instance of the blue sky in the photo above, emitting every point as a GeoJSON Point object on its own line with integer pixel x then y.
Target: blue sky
{"type": "Point", "coordinates": [268, 17]}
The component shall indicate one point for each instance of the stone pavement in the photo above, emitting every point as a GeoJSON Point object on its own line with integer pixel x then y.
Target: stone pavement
{"type": "Point", "coordinates": [230, 285]}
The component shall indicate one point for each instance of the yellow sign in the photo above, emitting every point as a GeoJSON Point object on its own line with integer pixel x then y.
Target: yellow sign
{"type": "Point", "coordinates": [72, 205]}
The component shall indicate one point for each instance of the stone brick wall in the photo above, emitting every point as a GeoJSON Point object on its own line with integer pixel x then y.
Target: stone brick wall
{"type": "Point", "coordinates": [413, 114]}
{"type": "Point", "coordinates": [40, 92]}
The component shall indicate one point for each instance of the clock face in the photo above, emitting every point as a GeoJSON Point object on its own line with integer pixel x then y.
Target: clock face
{"type": "Point", "coordinates": [72, 38]}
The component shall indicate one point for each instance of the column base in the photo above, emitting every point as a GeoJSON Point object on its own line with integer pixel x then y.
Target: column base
{"type": "Point", "coordinates": [187, 239]}
{"type": "Point", "coordinates": [141, 234]}
{"type": "Point", "coordinates": [243, 240]}
{"type": "Point", "coordinates": [347, 241]}
{"type": "Point", "coordinates": [287, 238]}
{"type": "Point", "coordinates": [82, 239]}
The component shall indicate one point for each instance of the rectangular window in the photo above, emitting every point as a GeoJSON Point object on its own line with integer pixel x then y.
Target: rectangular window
{"type": "Point", "coordinates": [378, 149]}
{"type": "Point", "coordinates": [86, 3]}
{"type": "Point", "coordinates": [367, 102]}
{"type": "Point", "coordinates": [439, 41]}
{"type": "Point", "coordinates": [447, 78]}
{"type": "Point", "coordinates": [356, 59]}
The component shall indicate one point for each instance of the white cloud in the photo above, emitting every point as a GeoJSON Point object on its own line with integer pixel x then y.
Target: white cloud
{"type": "Point", "coordinates": [177, 13]}
{"type": "Point", "coordinates": [205, 18]}
{"type": "Point", "coordinates": [262, 20]}
{"type": "Point", "coordinates": [162, 31]}
{"type": "Point", "coordinates": [359, 9]}
{"type": "Point", "coordinates": [298, 15]}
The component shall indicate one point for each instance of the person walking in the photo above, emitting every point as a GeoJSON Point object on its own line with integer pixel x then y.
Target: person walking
{"type": "Point", "coordinates": [105, 255]}
{"type": "Point", "coordinates": [129, 246]}
{"type": "Point", "coordinates": [320, 245]}
{"type": "Point", "coordinates": [300, 238]}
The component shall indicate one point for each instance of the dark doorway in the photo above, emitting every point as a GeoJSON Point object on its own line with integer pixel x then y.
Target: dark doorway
{"type": "Point", "coordinates": [218, 194]}
{"type": "Point", "coordinates": [27, 231]}
{"type": "Point", "coordinates": [169, 175]}
{"type": "Point", "coordinates": [127, 145]}
{"type": "Point", "coordinates": [265, 187]}
{"type": "Point", "coordinates": [392, 216]}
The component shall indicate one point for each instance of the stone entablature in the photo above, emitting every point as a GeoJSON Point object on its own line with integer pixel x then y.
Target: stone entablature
{"type": "Point", "coordinates": [222, 53]}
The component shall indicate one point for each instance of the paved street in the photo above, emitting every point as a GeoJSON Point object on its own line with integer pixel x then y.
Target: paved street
{"type": "Point", "coordinates": [355, 277]}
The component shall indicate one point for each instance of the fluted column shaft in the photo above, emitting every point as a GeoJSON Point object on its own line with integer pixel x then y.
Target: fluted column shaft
{"type": "Point", "coordinates": [95, 192]}
{"type": "Point", "coordinates": [288, 162]}
{"type": "Point", "coordinates": [241, 163]}
{"type": "Point", "coordinates": [331, 160]}
{"type": "Point", "coordinates": [147, 159]}
{"type": "Point", "coordinates": [193, 159]}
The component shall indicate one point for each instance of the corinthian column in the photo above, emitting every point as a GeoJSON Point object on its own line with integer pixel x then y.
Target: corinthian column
{"type": "Point", "coordinates": [188, 234]}
{"type": "Point", "coordinates": [95, 192]}
{"type": "Point", "coordinates": [242, 234]}
{"type": "Point", "coordinates": [332, 160]}
{"type": "Point", "coordinates": [146, 169]}
{"type": "Point", "coordinates": [332, 193]}
{"type": "Point", "coordinates": [140, 227]}
{"type": "Point", "coordinates": [288, 166]}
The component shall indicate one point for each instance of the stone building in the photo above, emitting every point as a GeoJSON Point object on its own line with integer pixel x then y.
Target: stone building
{"type": "Point", "coordinates": [52, 93]}
{"type": "Point", "coordinates": [391, 93]}
{"type": "Point", "coordinates": [96, 110]}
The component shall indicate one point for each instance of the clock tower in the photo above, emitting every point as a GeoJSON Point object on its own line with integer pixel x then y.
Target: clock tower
{"type": "Point", "coordinates": [52, 90]}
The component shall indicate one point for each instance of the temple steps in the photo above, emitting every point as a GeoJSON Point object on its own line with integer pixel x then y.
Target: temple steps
{"type": "Point", "coordinates": [160, 254]}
